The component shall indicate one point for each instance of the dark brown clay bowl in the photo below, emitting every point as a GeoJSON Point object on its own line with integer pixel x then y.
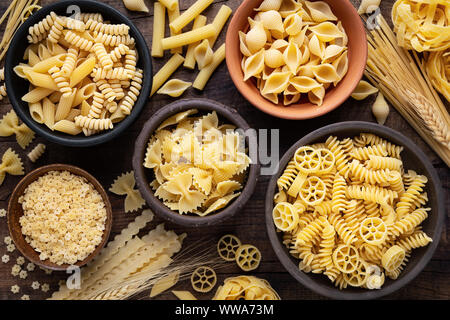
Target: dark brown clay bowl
{"type": "Point", "coordinates": [413, 158]}
{"type": "Point", "coordinates": [15, 211]}
{"type": "Point", "coordinates": [357, 56]}
{"type": "Point", "coordinates": [144, 176]}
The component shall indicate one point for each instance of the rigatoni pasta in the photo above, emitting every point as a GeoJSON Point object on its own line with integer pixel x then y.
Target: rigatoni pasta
{"type": "Point", "coordinates": [81, 71]}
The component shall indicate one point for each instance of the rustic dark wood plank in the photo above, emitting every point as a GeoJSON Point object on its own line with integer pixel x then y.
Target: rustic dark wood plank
{"type": "Point", "coordinates": [107, 161]}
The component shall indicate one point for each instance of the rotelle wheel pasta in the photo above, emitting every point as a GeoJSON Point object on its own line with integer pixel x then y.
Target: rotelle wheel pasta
{"type": "Point", "coordinates": [203, 279]}
{"type": "Point", "coordinates": [227, 246]}
{"type": "Point", "coordinates": [347, 208]}
{"type": "Point", "coordinates": [293, 49]}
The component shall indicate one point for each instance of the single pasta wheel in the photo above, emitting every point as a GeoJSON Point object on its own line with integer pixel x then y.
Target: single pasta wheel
{"type": "Point", "coordinates": [358, 277]}
{"type": "Point", "coordinates": [227, 246]}
{"type": "Point", "coordinates": [248, 257]}
{"type": "Point", "coordinates": [373, 230]}
{"type": "Point", "coordinates": [327, 160]}
{"type": "Point", "coordinates": [203, 279]}
{"type": "Point", "coordinates": [307, 160]}
{"type": "Point", "coordinates": [346, 258]}
{"type": "Point", "coordinates": [285, 216]}
{"type": "Point", "coordinates": [393, 258]}
{"type": "Point", "coordinates": [313, 191]}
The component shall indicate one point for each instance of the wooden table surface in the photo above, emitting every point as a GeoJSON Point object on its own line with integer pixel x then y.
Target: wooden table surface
{"type": "Point", "coordinates": [109, 160]}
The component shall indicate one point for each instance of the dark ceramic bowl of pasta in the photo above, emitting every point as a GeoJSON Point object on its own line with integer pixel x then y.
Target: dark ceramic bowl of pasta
{"type": "Point", "coordinates": [413, 159]}
{"type": "Point", "coordinates": [17, 87]}
{"type": "Point", "coordinates": [145, 176]}
{"type": "Point", "coordinates": [303, 108]}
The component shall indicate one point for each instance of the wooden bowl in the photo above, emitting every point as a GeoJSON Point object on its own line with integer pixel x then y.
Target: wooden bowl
{"type": "Point", "coordinates": [15, 211]}
{"type": "Point", "coordinates": [144, 176]}
{"type": "Point", "coordinates": [17, 87]}
{"type": "Point", "coordinates": [414, 159]}
{"type": "Point", "coordinates": [334, 97]}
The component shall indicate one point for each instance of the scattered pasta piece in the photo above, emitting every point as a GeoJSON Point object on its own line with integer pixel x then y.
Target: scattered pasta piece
{"type": "Point", "coordinates": [20, 260]}
{"type": "Point", "coordinates": [174, 87]}
{"type": "Point", "coordinates": [30, 266]}
{"type": "Point", "coordinates": [47, 271]}
{"type": "Point", "coordinates": [23, 274]}
{"type": "Point", "coordinates": [10, 247]}
{"type": "Point", "coordinates": [135, 5]}
{"type": "Point", "coordinates": [247, 288]}
{"type": "Point", "coordinates": [248, 257]}
{"type": "Point", "coordinates": [2, 213]}
{"type": "Point", "coordinates": [15, 270]}
{"type": "Point", "coordinates": [35, 285]}
{"type": "Point", "coordinates": [368, 6]}
{"type": "Point", "coordinates": [437, 66]}
{"type": "Point", "coordinates": [7, 240]}
{"type": "Point", "coordinates": [11, 164]}
{"type": "Point", "coordinates": [45, 287]}
{"type": "Point", "coordinates": [363, 90]}
{"type": "Point", "coordinates": [380, 109]}
{"type": "Point", "coordinates": [25, 297]}
{"type": "Point", "coordinates": [227, 246]}
{"type": "Point", "coordinates": [15, 289]}
{"type": "Point", "coordinates": [37, 152]}
{"type": "Point", "coordinates": [203, 279]}
{"type": "Point", "coordinates": [184, 295]}
{"type": "Point", "coordinates": [5, 258]}
{"type": "Point", "coordinates": [165, 283]}
{"type": "Point", "coordinates": [196, 163]}
{"type": "Point", "coordinates": [368, 222]}
{"type": "Point", "coordinates": [124, 185]}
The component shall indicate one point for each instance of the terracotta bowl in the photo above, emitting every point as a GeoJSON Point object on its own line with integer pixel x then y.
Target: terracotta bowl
{"type": "Point", "coordinates": [18, 87]}
{"type": "Point", "coordinates": [357, 56]}
{"type": "Point", "coordinates": [414, 159]}
{"type": "Point", "coordinates": [15, 211]}
{"type": "Point", "coordinates": [144, 176]}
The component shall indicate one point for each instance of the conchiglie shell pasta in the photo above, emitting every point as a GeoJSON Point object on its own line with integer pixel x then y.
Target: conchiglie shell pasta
{"type": "Point", "coordinates": [316, 47]}
{"type": "Point", "coordinates": [174, 87]}
{"type": "Point", "coordinates": [279, 45]}
{"type": "Point", "coordinates": [273, 58]}
{"type": "Point", "coordinates": [203, 54]}
{"type": "Point", "coordinates": [363, 90]}
{"type": "Point", "coordinates": [288, 7]}
{"type": "Point", "coordinates": [267, 5]}
{"type": "Point", "coordinates": [276, 82]}
{"type": "Point", "coordinates": [325, 73]}
{"type": "Point", "coordinates": [271, 20]}
{"type": "Point", "coordinates": [293, 24]}
{"type": "Point", "coordinates": [316, 95]}
{"type": "Point", "coordinates": [243, 45]}
{"type": "Point", "coordinates": [326, 31]}
{"type": "Point", "coordinates": [135, 5]}
{"type": "Point", "coordinates": [272, 97]}
{"type": "Point", "coordinates": [292, 57]}
{"type": "Point", "coordinates": [304, 84]}
{"type": "Point", "coordinates": [299, 38]}
{"type": "Point", "coordinates": [341, 65]}
{"type": "Point", "coordinates": [331, 52]}
{"type": "Point", "coordinates": [254, 65]}
{"type": "Point", "coordinates": [380, 109]}
{"type": "Point", "coordinates": [320, 11]}
{"type": "Point", "coordinates": [306, 71]}
{"type": "Point", "coordinates": [290, 98]}
{"type": "Point", "coordinates": [256, 38]}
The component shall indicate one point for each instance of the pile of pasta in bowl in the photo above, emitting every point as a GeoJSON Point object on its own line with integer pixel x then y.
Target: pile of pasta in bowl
{"type": "Point", "coordinates": [349, 210]}
{"type": "Point", "coordinates": [82, 71]}
{"type": "Point", "coordinates": [199, 165]}
{"type": "Point", "coordinates": [294, 49]}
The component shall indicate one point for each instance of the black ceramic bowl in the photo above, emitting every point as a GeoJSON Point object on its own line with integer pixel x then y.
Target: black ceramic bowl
{"type": "Point", "coordinates": [144, 176]}
{"type": "Point", "coordinates": [413, 158]}
{"type": "Point", "coordinates": [17, 87]}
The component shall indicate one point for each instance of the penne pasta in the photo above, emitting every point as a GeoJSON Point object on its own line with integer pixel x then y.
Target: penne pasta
{"type": "Point", "coordinates": [173, 14]}
{"type": "Point", "coordinates": [40, 80]}
{"type": "Point", "coordinates": [188, 37]}
{"type": "Point", "coordinates": [65, 105]}
{"type": "Point", "coordinates": [169, 4]}
{"type": "Point", "coordinates": [84, 93]}
{"type": "Point", "coordinates": [68, 127]}
{"type": "Point", "coordinates": [159, 17]}
{"type": "Point", "coordinates": [48, 112]}
{"type": "Point", "coordinates": [189, 61]}
{"type": "Point", "coordinates": [204, 74]}
{"type": "Point", "coordinates": [36, 95]}
{"type": "Point", "coordinates": [166, 71]}
{"type": "Point", "coordinates": [189, 15]}
{"type": "Point", "coordinates": [36, 112]}
{"type": "Point", "coordinates": [45, 65]}
{"type": "Point", "coordinates": [219, 22]}
{"type": "Point", "coordinates": [82, 71]}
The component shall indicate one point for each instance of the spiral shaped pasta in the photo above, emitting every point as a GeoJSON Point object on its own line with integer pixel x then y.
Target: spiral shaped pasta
{"type": "Point", "coordinates": [392, 150]}
{"type": "Point", "coordinates": [363, 153]}
{"type": "Point", "coordinates": [74, 24]}
{"type": "Point", "coordinates": [78, 41]}
{"type": "Point", "coordinates": [115, 73]}
{"type": "Point", "coordinates": [305, 254]}
{"type": "Point", "coordinates": [39, 31]}
{"type": "Point", "coordinates": [354, 214]}
{"type": "Point", "coordinates": [408, 223]}
{"type": "Point", "coordinates": [103, 56]}
{"type": "Point", "coordinates": [118, 52]}
{"type": "Point", "coordinates": [3, 91]}
{"type": "Point", "coordinates": [288, 176]}
{"type": "Point", "coordinates": [324, 208]}
{"type": "Point", "coordinates": [117, 87]}
{"type": "Point", "coordinates": [127, 104]}
{"type": "Point", "coordinates": [378, 162]}
{"type": "Point", "coordinates": [37, 152]}
{"type": "Point", "coordinates": [97, 105]}
{"type": "Point", "coordinates": [417, 240]}
{"type": "Point", "coordinates": [70, 62]}
{"type": "Point", "coordinates": [327, 246]}
{"type": "Point", "coordinates": [111, 29]}
{"type": "Point", "coordinates": [371, 209]}
{"type": "Point", "coordinates": [114, 41]}
{"type": "Point", "coordinates": [406, 201]}
{"type": "Point", "coordinates": [338, 194]}
{"type": "Point", "coordinates": [56, 30]}
{"type": "Point", "coordinates": [369, 176]}
{"type": "Point", "coordinates": [60, 80]}
{"type": "Point", "coordinates": [131, 61]}
{"type": "Point", "coordinates": [371, 193]}
{"type": "Point", "coordinates": [310, 232]}
{"type": "Point", "coordinates": [85, 17]}
{"type": "Point", "coordinates": [93, 124]}
{"type": "Point", "coordinates": [334, 146]}
{"type": "Point", "coordinates": [342, 229]}
{"type": "Point", "coordinates": [396, 182]}
{"type": "Point", "coordinates": [108, 93]}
